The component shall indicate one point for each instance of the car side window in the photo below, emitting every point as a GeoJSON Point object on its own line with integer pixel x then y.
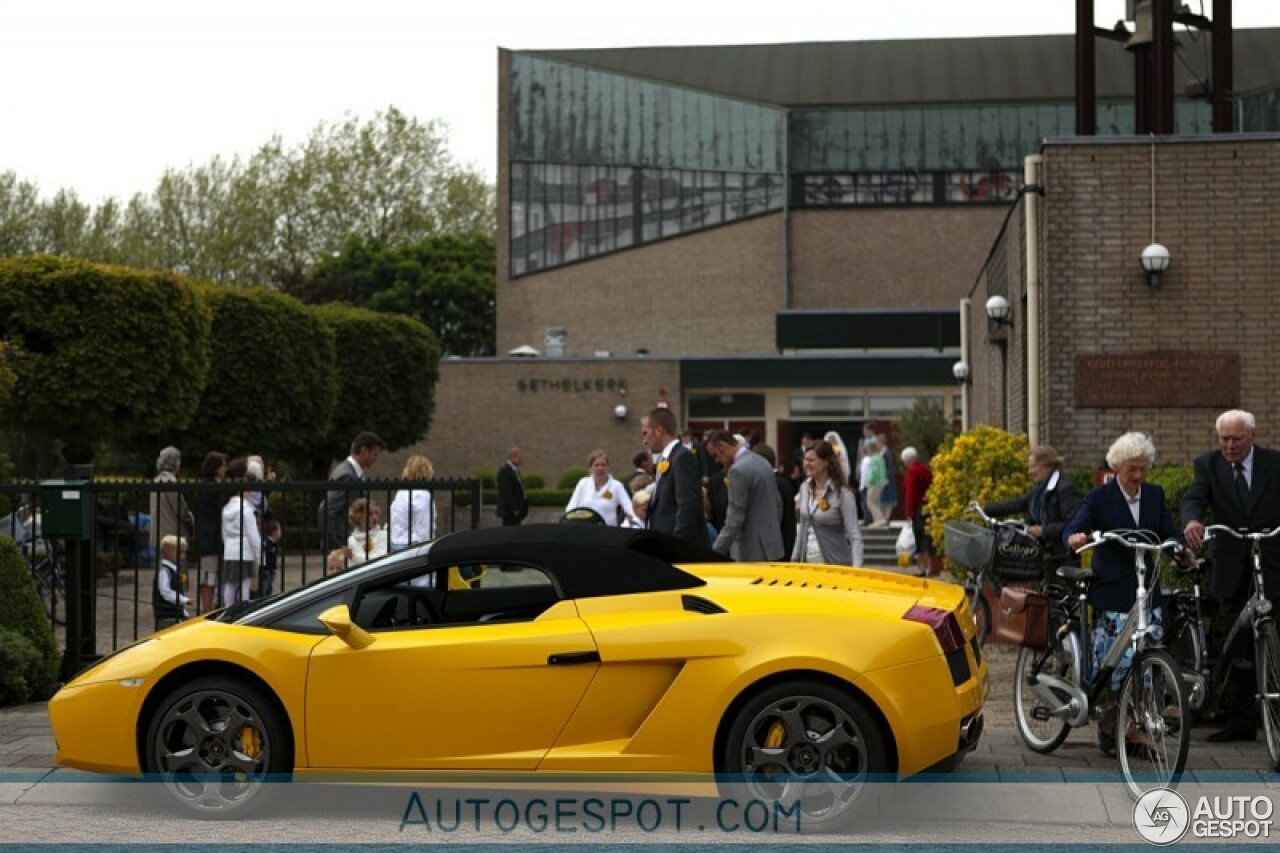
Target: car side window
{"type": "Point", "coordinates": [462, 594]}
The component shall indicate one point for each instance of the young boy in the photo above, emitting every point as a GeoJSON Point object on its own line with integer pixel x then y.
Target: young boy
{"type": "Point", "coordinates": [167, 599]}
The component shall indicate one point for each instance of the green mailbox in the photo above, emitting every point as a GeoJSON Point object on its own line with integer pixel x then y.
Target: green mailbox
{"type": "Point", "coordinates": [65, 509]}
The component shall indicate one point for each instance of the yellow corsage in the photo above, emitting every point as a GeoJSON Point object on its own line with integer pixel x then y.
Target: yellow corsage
{"type": "Point", "coordinates": [608, 495]}
{"type": "Point", "coordinates": [835, 448]}
{"type": "Point", "coordinates": [726, 480]}
{"type": "Point", "coordinates": [823, 505]}
{"type": "Point", "coordinates": [664, 466]}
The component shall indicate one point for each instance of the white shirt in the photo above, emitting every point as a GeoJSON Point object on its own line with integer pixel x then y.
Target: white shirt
{"type": "Point", "coordinates": [413, 517]}
{"type": "Point", "coordinates": [604, 500]}
{"type": "Point", "coordinates": [240, 537]}
{"type": "Point", "coordinates": [367, 545]}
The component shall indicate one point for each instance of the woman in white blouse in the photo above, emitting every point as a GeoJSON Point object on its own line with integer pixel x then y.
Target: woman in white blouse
{"type": "Point", "coordinates": [413, 511]}
{"type": "Point", "coordinates": [599, 491]}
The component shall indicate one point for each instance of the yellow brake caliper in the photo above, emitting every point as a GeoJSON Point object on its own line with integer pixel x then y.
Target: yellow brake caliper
{"type": "Point", "coordinates": [777, 734]}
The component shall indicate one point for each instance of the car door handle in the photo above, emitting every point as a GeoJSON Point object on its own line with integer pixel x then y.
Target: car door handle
{"type": "Point", "coordinates": [572, 658]}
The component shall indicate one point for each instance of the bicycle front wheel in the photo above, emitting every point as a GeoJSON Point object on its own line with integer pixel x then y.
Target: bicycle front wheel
{"type": "Point", "coordinates": [1267, 658]}
{"type": "Point", "coordinates": [1042, 721]}
{"type": "Point", "coordinates": [1187, 650]}
{"type": "Point", "coordinates": [1153, 723]}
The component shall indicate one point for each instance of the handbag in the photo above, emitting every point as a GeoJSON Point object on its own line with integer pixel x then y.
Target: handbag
{"type": "Point", "coordinates": [906, 541]}
{"type": "Point", "coordinates": [1018, 556]}
{"type": "Point", "coordinates": [1024, 617]}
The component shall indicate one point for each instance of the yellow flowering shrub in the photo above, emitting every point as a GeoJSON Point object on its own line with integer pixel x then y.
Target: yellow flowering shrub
{"type": "Point", "coordinates": [985, 464]}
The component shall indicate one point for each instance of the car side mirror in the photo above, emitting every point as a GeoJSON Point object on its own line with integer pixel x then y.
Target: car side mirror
{"type": "Point", "coordinates": [338, 620]}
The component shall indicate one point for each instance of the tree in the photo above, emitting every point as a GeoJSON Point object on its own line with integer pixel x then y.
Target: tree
{"type": "Point", "coordinates": [447, 282]}
{"type": "Point", "coordinates": [924, 427]}
{"type": "Point", "coordinates": [19, 216]}
{"type": "Point", "coordinates": [100, 352]}
{"type": "Point", "coordinates": [985, 464]}
{"type": "Point", "coordinates": [387, 368]}
{"type": "Point", "coordinates": [272, 381]}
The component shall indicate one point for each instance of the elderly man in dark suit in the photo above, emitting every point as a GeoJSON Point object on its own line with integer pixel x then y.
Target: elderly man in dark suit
{"type": "Point", "coordinates": [1126, 502]}
{"type": "Point", "coordinates": [365, 450]}
{"type": "Point", "coordinates": [513, 503]}
{"type": "Point", "coordinates": [752, 530]}
{"type": "Point", "coordinates": [676, 505]}
{"type": "Point", "coordinates": [1240, 483]}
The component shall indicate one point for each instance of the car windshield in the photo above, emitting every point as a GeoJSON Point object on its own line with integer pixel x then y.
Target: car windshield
{"type": "Point", "coordinates": [243, 610]}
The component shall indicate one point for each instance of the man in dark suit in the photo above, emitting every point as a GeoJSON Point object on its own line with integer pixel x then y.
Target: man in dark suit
{"type": "Point", "coordinates": [513, 504]}
{"type": "Point", "coordinates": [752, 530]}
{"type": "Point", "coordinates": [365, 450]}
{"type": "Point", "coordinates": [676, 506]}
{"type": "Point", "coordinates": [1240, 483]}
{"type": "Point", "coordinates": [1123, 503]}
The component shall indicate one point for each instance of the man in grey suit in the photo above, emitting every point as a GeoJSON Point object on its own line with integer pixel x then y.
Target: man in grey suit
{"type": "Point", "coordinates": [752, 529]}
{"type": "Point", "coordinates": [1240, 483]}
{"type": "Point", "coordinates": [365, 450]}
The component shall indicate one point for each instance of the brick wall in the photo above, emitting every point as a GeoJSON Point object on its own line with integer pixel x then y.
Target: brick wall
{"type": "Point", "coordinates": [1215, 211]}
{"type": "Point", "coordinates": [557, 411]}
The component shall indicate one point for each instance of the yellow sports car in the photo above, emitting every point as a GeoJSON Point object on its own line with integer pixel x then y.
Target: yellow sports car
{"type": "Point", "coordinates": [558, 649]}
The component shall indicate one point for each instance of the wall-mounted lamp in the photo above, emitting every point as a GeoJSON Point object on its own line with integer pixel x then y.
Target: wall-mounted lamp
{"type": "Point", "coordinates": [997, 313]}
{"type": "Point", "coordinates": [960, 370]}
{"type": "Point", "coordinates": [620, 411]}
{"type": "Point", "coordinates": [1155, 260]}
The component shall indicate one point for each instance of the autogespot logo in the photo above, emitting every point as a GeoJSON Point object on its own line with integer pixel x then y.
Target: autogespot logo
{"type": "Point", "coordinates": [1161, 816]}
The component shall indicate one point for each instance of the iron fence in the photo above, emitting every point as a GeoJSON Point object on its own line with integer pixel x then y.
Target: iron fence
{"type": "Point", "coordinates": [111, 597]}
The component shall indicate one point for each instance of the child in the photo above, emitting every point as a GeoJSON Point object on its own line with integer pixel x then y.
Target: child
{"type": "Point", "coordinates": [270, 557]}
{"type": "Point", "coordinates": [368, 539]}
{"type": "Point", "coordinates": [167, 599]}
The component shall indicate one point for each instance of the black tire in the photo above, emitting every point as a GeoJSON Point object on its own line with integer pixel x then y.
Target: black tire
{"type": "Point", "coordinates": [1267, 651]}
{"type": "Point", "coordinates": [216, 742]}
{"type": "Point", "coordinates": [809, 744]}
{"type": "Point", "coordinates": [1187, 650]}
{"type": "Point", "coordinates": [1153, 723]}
{"type": "Point", "coordinates": [1041, 727]}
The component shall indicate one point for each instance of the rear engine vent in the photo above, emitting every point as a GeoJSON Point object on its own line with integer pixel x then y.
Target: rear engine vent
{"type": "Point", "coordinates": [697, 604]}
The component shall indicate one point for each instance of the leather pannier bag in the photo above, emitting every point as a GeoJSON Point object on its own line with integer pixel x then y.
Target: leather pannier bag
{"type": "Point", "coordinates": [1024, 617]}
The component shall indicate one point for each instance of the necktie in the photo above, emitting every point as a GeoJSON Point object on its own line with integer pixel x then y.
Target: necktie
{"type": "Point", "coordinates": [1242, 485]}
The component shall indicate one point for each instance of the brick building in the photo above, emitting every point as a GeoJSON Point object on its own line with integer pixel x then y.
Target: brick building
{"type": "Point", "coordinates": [778, 237]}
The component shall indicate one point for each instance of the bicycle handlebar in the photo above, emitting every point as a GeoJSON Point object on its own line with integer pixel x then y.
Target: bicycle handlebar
{"type": "Point", "coordinates": [1242, 533]}
{"type": "Point", "coordinates": [976, 508]}
{"type": "Point", "coordinates": [1134, 540]}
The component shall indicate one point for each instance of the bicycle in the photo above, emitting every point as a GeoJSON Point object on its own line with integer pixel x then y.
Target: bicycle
{"type": "Point", "coordinates": [1255, 618]}
{"type": "Point", "coordinates": [1054, 693]}
{"type": "Point", "coordinates": [50, 578]}
{"type": "Point", "coordinates": [990, 560]}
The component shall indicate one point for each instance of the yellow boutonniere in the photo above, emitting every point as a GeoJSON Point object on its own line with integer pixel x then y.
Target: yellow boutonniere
{"type": "Point", "coordinates": [726, 479]}
{"type": "Point", "coordinates": [835, 448]}
{"type": "Point", "coordinates": [823, 505]}
{"type": "Point", "coordinates": [663, 466]}
{"type": "Point", "coordinates": [608, 495]}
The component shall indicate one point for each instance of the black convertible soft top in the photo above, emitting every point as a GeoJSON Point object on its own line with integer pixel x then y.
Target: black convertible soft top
{"type": "Point", "coordinates": [587, 560]}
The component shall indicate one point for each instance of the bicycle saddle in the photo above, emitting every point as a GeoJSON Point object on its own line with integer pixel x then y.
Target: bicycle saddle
{"type": "Point", "coordinates": [1075, 574]}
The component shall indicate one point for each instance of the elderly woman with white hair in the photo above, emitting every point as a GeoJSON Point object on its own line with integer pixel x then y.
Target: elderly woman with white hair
{"type": "Point", "coordinates": [1125, 502]}
{"type": "Point", "coordinates": [169, 513]}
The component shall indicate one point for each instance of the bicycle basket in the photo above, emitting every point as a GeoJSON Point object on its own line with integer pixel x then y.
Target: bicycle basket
{"type": "Point", "coordinates": [1018, 556]}
{"type": "Point", "coordinates": [968, 544]}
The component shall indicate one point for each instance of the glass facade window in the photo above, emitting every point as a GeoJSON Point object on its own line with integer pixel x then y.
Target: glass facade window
{"type": "Point", "coordinates": [826, 405]}
{"type": "Point", "coordinates": [893, 188]}
{"type": "Point", "coordinates": [562, 213]}
{"type": "Point", "coordinates": [890, 405]}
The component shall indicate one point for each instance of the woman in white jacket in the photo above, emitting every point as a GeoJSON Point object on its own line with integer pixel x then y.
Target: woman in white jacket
{"type": "Point", "coordinates": [413, 511]}
{"type": "Point", "coordinates": [241, 546]}
{"type": "Point", "coordinates": [600, 492]}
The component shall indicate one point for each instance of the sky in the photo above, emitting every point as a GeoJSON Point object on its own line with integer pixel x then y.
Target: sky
{"type": "Point", "coordinates": [102, 96]}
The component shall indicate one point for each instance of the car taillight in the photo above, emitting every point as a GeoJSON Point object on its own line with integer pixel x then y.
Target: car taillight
{"type": "Point", "coordinates": [944, 625]}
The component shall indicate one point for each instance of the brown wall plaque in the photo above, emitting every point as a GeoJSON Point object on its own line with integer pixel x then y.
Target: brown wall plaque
{"type": "Point", "coordinates": [1158, 379]}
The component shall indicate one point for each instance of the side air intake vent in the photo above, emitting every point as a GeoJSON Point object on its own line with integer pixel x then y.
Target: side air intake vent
{"type": "Point", "coordinates": [696, 604]}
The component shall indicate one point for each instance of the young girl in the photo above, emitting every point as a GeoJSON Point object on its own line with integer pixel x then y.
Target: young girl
{"type": "Point", "coordinates": [368, 540]}
{"type": "Point", "coordinates": [241, 548]}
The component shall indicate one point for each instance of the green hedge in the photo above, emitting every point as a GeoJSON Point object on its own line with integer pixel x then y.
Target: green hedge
{"type": "Point", "coordinates": [570, 476]}
{"type": "Point", "coordinates": [22, 615]}
{"type": "Point", "coordinates": [537, 497]}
